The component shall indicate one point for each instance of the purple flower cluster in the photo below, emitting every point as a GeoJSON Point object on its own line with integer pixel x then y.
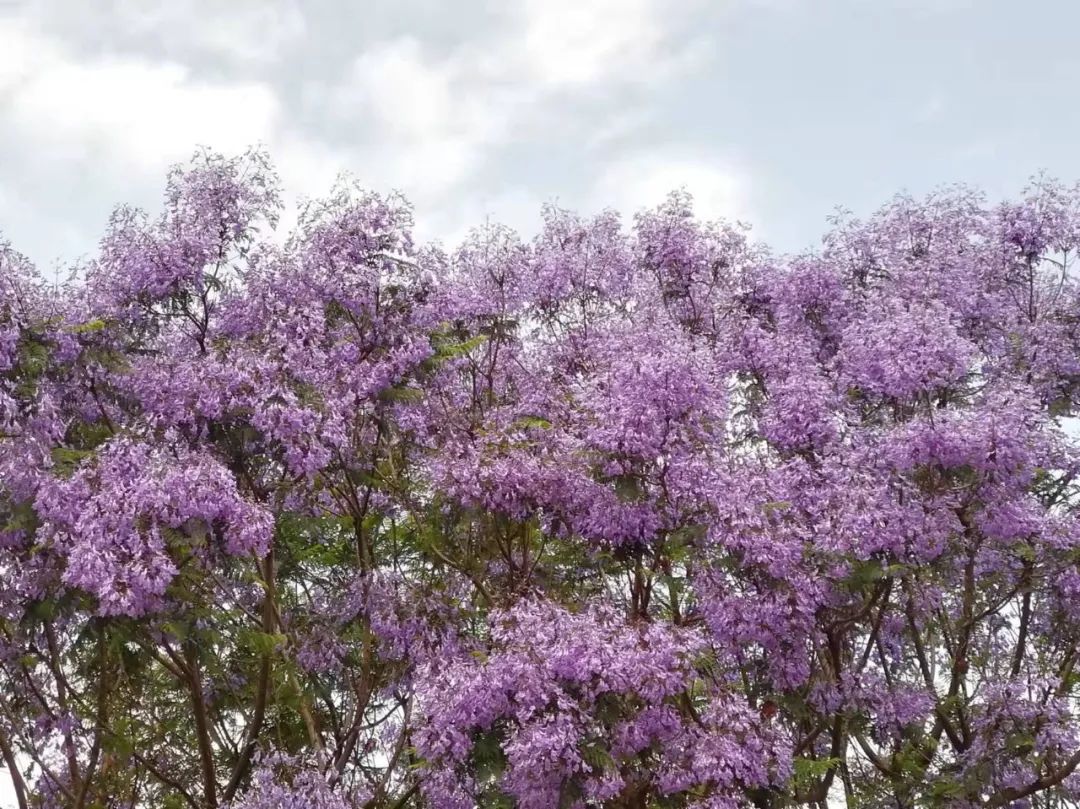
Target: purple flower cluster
{"type": "Point", "coordinates": [120, 522]}
{"type": "Point", "coordinates": [618, 516]}
{"type": "Point", "coordinates": [587, 699]}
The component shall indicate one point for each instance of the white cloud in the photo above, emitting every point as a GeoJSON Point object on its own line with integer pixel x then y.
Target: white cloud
{"type": "Point", "coordinates": [242, 30]}
{"type": "Point", "coordinates": [402, 89]}
{"type": "Point", "coordinates": [307, 167]}
{"type": "Point", "coordinates": [516, 207]}
{"type": "Point", "coordinates": [931, 109]}
{"type": "Point", "coordinates": [7, 790]}
{"type": "Point", "coordinates": [978, 149]}
{"type": "Point", "coordinates": [22, 52]}
{"type": "Point", "coordinates": [108, 124]}
{"type": "Point", "coordinates": [149, 113]}
{"type": "Point", "coordinates": [436, 120]}
{"type": "Point", "coordinates": [543, 75]}
{"type": "Point", "coordinates": [618, 128]}
{"type": "Point", "coordinates": [251, 32]}
{"type": "Point", "coordinates": [433, 118]}
{"type": "Point", "coordinates": [580, 42]}
{"type": "Point", "coordinates": [643, 180]}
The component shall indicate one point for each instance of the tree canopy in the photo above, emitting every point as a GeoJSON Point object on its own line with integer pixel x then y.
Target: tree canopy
{"type": "Point", "coordinates": [634, 517]}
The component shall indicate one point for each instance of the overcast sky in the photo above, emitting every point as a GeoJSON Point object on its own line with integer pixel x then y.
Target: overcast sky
{"type": "Point", "coordinates": [772, 111]}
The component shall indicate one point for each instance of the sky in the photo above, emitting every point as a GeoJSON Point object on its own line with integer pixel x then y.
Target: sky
{"type": "Point", "coordinates": [773, 112]}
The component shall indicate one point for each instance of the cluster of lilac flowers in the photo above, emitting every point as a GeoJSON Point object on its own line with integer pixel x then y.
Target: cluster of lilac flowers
{"type": "Point", "coordinates": [120, 522]}
{"type": "Point", "coordinates": [556, 686]}
{"type": "Point", "coordinates": [622, 516]}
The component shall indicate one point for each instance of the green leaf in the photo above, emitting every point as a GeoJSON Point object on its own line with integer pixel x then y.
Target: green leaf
{"type": "Point", "coordinates": [682, 538]}
{"type": "Point", "coordinates": [775, 505]}
{"type": "Point", "coordinates": [461, 349]}
{"type": "Point", "coordinates": [608, 708]}
{"type": "Point", "coordinates": [864, 574]}
{"type": "Point", "coordinates": [570, 795]}
{"type": "Point", "coordinates": [263, 643]}
{"type": "Point", "coordinates": [1060, 406]}
{"type": "Point", "coordinates": [488, 758]}
{"type": "Point", "coordinates": [708, 665]}
{"type": "Point", "coordinates": [88, 435]}
{"type": "Point", "coordinates": [23, 518]}
{"type": "Point", "coordinates": [43, 610]}
{"type": "Point", "coordinates": [534, 422]}
{"type": "Point", "coordinates": [627, 488]}
{"type": "Point", "coordinates": [946, 789]}
{"type": "Point", "coordinates": [1025, 551]}
{"type": "Point", "coordinates": [175, 629]}
{"type": "Point", "coordinates": [1019, 742]}
{"type": "Point", "coordinates": [89, 326]}
{"type": "Point", "coordinates": [401, 393]}
{"type": "Point", "coordinates": [66, 460]}
{"type": "Point", "coordinates": [597, 756]}
{"type": "Point", "coordinates": [808, 770]}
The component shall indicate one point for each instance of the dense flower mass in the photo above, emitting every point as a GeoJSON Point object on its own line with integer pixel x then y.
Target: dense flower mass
{"type": "Point", "coordinates": [627, 517]}
{"type": "Point", "coordinates": [589, 699]}
{"type": "Point", "coordinates": [120, 520]}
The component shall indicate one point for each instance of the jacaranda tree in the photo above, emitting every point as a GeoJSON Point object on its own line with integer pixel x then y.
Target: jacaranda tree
{"type": "Point", "coordinates": [612, 518]}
